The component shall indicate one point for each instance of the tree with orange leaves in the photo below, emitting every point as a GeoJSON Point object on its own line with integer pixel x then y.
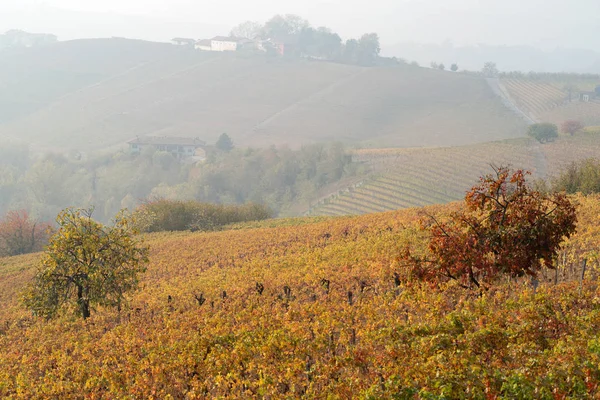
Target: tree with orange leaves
{"type": "Point", "coordinates": [21, 234]}
{"type": "Point", "coordinates": [504, 228]}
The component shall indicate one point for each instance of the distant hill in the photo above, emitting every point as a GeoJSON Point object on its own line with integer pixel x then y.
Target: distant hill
{"type": "Point", "coordinates": [92, 94]}
{"type": "Point", "coordinates": [508, 58]}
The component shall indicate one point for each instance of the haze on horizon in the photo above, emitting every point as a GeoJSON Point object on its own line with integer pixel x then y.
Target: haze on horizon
{"type": "Point", "coordinates": [546, 24]}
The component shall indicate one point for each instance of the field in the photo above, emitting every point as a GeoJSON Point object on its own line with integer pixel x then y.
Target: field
{"type": "Point", "coordinates": [338, 318]}
{"type": "Point", "coordinates": [404, 178]}
{"type": "Point", "coordinates": [79, 95]}
{"type": "Point", "coordinates": [548, 101]}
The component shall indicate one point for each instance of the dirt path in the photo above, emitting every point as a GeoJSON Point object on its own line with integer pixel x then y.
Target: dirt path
{"type": "Point", "coordinates": [499, 89]}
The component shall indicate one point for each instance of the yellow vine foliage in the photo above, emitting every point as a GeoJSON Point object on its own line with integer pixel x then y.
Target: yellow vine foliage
{"type": "Point", "coordinates": [311, 309]}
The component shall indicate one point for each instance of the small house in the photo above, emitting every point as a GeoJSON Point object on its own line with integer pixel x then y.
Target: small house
{"type": "Point", "coordinates": [204, 45]}
{"type": "Point", "coordinates": [179, 147]}
{"type": "Point", "coordinates": [587, 96]}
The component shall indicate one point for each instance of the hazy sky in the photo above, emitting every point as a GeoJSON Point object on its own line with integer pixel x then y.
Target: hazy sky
{"type": "Point", "coordinates": [545, 23]}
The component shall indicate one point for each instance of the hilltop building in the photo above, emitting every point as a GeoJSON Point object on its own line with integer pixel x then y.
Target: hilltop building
{"type": "Point", "coordinates": [231, 43]}
{"type": "Point", "coordinates": [179, 147]}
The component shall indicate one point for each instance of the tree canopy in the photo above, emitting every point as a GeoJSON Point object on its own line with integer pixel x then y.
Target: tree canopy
{"type": "Point", "coordinates": [505, 229]}
{"type": "Point", "coordinates": [87, 264]}
{"type": "Point", "coordinates": [224, 143]}
{"type": "Point", "coordinates": [490, 70]}
{"type": "Point", "coordinates": [543, 132]}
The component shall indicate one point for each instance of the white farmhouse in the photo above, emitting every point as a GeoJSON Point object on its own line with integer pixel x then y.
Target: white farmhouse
{"type": "Point", "coordinates": [224, 43]}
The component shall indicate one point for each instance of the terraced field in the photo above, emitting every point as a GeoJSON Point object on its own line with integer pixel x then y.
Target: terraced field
{"type": "Point", "coordinates": [535, 97]}
{"type": "Point", "coordinates": [405, 178]}
{"type": "Point", "coordinates": [548, 102]}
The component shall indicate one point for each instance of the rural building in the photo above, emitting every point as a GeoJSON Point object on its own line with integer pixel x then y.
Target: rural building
{"type": "Point", "coordinates": [204, 44]}
{"type": "Point", "coordinates": [587, 96]}
{"type": "Point", "coordinates": [178, 146]}
{"type": "Point", "coordinates": [224, 43]}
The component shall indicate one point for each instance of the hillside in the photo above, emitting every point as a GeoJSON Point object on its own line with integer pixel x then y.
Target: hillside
{"type": "Point", "coordinates": [404, 178]}
{"type": "Point", "coordinates": [547, 100]}
{"type": "Point", "coordinates": [348, 327]}
{"type": "Point", "coordinates": [98, 93]}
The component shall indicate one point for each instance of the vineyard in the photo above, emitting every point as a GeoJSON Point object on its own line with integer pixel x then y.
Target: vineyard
{"type": "Point", "coordinates": [311, 309]}
{"type": "Point", "coordinates": [404, 178]}
{"type": "Point", "coordinates": [549, 101]}
{"type": "Point", "coordinates": [80, 101]}
{"type": "Point", "coordinates": [535, 97]}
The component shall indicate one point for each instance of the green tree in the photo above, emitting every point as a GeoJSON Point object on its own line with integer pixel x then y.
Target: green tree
{"type": "Point", "coordinates": [87, 264]}
{"type": "Point", "coordinates": [505, 228]}
{"type": "Point", "coordinates": [582, 176]}
{"type": "Point", "coordinates": [490, 70]}
{"type": "Point", "coordinates": [368, 49]}
{"type": "Point", "coordinates": [224, 143]}
{"type": "Point", "coordinates": [543, 132]}
{"type": "Point", "coordinates": [454, 67]}
{"type": "Point", "coordinates": [247, 29]}
{"type": "Point", "coordinates": [281, 27]}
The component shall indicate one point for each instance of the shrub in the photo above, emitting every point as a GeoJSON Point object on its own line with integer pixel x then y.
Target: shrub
{"type": "Point", "coordinates": [543, 132]}
{"type": "Point", "coordinates": [505, 228]}
{"type": "Point", "coordinates": [172, 215]}
{"type": "Point", "coordinates": [583, 176]}
{"type": "Point", "coordinates": [571, 127]}
{"type": "Point", "coordinates": [21, 234]}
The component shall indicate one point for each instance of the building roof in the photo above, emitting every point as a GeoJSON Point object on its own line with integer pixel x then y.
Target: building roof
{"type": "Point", "coordinates": [168, 140]}
{"type": "Point", "coordinates": [204, 42]}
{"type": "Point", "coordinates": [228, 39]}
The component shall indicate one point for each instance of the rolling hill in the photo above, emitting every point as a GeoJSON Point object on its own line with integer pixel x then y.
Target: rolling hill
{"type": "Point", "coordinates": [338, 316]}
{"type": "Point", "coordinates": [548, 100]}
{"type": "Point", "coordinates": [404, 178]}
{"type": "Point", "coordinates": [94, 94]}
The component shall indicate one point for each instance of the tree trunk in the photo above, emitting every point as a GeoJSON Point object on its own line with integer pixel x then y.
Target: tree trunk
{"type": "Point", "coordinates": [84, 303]}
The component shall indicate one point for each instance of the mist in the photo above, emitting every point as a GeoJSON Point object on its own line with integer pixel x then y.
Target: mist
{"type": "Point", "coordinates": [543, 24]}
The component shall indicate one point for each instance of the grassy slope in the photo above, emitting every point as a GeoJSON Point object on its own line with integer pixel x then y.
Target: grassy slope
{"type": "Point", "coordinates": [101, 100]}
{"type": "Point", "coordinates": [403, 178]}
{"type": "Point", "coordinates": [411, 339]}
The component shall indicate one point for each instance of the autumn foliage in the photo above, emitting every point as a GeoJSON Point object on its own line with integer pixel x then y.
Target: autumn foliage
{"type": "Point", "coordinates": [21, 234]}
{"type": "Point", "coordinates": [571, 127]}
{"type": "Point", "coordinates": [315, 309]}
{"type": "Point", "coordinates": [86, 265]}
{"type": "Point", "coordinates": [505, 229]}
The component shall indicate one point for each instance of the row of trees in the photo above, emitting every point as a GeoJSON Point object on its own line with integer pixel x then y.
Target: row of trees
{"type": "Point", "coordinates": [301, 39]}
{"type": "Point", "coordinates": [442, 67]}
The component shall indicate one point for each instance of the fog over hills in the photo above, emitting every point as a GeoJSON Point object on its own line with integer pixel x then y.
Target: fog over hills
{"type": "Point", "coordinates": [544, 24]}
{"type": "Point", "coordinates": [91, 94]}
{"type": "Point", "coordinates": [508, 58]}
